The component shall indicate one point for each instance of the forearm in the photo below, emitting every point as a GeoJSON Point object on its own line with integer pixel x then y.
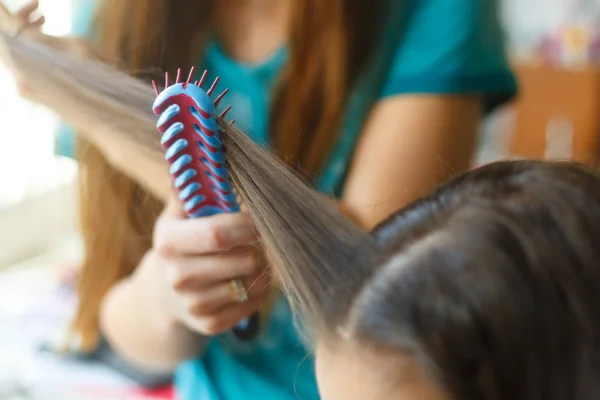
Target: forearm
{"type": "Point", "coordinates": [350, 214]}
{"type": "Point", "coordinates": [410, 145]}
{"type": "Point", "coordinates": [137, 321]}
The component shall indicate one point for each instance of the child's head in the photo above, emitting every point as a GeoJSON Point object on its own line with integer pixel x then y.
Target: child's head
{"type": "Point", "coordinates": [490, 289]}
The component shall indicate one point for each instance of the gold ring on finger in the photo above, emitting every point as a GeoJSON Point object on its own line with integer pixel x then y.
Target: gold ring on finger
{"type": "Point", "coordinates": [238, 290]}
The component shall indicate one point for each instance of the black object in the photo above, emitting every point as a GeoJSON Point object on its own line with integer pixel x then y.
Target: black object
{"type": "Point", "coordinates": [104, 354]}
{"type": "Point", "coordinates": [249, 329]}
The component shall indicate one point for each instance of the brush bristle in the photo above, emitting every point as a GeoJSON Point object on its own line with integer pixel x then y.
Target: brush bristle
{"type": "Point", "coordinates": [201, 81]}
{"type": "Point", "coordinates": [190, 75]}
{"type": "Point", "coordinates": [213, 86]}
{"type": "Point", "coordinates": [224, 113]}
{"type": "Point", "coordinates": [220, 97]}
{"type": "Point", "coordinates": [198, 83]}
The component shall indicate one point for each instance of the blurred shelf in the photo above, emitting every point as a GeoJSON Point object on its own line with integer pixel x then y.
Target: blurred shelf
{"type": "Point", "coordinates": [557, 113]}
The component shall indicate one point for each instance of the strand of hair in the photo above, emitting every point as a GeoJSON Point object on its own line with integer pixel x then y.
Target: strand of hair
{"type": "Point", "coordinates": [178, 75]}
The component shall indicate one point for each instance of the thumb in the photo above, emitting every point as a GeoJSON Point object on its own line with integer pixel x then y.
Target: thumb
{"type": "Point", "coordinates": [173, 207]}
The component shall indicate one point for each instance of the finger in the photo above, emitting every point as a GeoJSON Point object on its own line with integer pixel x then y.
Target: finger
{"type": "Point", "coordinates": [229, 317]}
{"type": "Point", "coordinates": [173, 207]}
{"type": "Point", "coordinates": [23, 87]}
{"type": "Point", "coordinates": [204, 235]}
{"type": "Point", "coordinates": [4, 13]}
{"type": "Point", "coordinates": [7, 20]}
{"type": "Point", "coordinates": [26, 10]}
{"type": "Point", "coordinates": [39, 21]}
{"type": "Point", "coordinates": [210, 301]}
{"type": "Point", "coordinates": [193, 273]}
{"type": "Point", "coordinates": [257, 286]}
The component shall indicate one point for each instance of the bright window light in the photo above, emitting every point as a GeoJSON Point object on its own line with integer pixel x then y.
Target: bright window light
{"type": "Point", "coordinates": [28, 164]}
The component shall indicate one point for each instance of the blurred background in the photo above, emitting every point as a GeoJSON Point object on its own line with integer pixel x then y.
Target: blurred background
{"type": "Point", "coordinates": [555, 48]}
{"type": "Point", "coordinates": [26, 185]}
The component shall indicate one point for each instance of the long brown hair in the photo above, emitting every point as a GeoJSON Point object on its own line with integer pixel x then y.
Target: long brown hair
{"type": "Point", "coordinates": [330, 43]}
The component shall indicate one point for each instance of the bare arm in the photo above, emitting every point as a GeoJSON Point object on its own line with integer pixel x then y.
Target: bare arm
{"type": "Point", "coordinates": [181, 291]}
{"type": "Point", "coordinates": [409, 145]}
{"type": "Point", "coordinates": [136, 319]}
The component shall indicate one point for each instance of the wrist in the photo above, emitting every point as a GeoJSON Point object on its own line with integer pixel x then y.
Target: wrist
{"type": "Point", "coordinates": [151, 290]}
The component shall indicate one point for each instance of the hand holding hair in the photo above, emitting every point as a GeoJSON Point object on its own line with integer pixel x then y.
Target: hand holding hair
{"type": "Point", "coordinates": [27, 21]}
{"type": "Point", "coordinates": [24, 18]}
{"type": "Point", "coordinates": [16, 23]}
{"type": "Point", "coordinates": [201, 257]}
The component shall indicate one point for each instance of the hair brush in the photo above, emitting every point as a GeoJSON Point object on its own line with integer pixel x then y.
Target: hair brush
{"type": "Point", "coordinates": [190, 137]}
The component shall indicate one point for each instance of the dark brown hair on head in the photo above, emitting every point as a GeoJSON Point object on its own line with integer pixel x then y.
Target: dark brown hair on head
{"type": "Point", "coordinates": [492, 282]}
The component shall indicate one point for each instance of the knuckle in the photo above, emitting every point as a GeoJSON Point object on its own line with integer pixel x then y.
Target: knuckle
{"type": "Point", "coordinates": [176, 274]}
{"type": "Point", "coordinates": [212, 326]}
{"type": "Point", "coordinates": [161, 243]}
{"type": "Point", "coordinates": [252, 260]}
{"type": "Point", "coordinates": [258, 286]}
{"type": "Point", "coordinates": [201, 307]}
{"type": "Point", "coordinates": [164, 249]}
{"type": "Point", "coordinates": [181, 283]}
{"type": "Point", "coordinates": [21, 85]}
{"type": "Point", "coordinates": [249, 264]}
{"type": "Point", "coordinates": [214, 237]}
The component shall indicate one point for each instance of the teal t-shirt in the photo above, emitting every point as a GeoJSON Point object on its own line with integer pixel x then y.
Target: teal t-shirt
{"type": "Point", "coordinates": [428, 47]}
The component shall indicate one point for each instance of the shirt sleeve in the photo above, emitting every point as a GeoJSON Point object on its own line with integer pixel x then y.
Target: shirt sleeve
{"type": "Point", "coordinates": [83, 15]}
{"type": "Point", "coordinates": [81, 26]}
{"type": "Point", "coordinates": [449, 47]}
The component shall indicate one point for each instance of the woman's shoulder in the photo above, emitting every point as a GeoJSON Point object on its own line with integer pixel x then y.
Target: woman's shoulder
{"type": "Point", "coordinates": [449, 46]}
{"type": "Point", "coordinates": [445, 28]}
